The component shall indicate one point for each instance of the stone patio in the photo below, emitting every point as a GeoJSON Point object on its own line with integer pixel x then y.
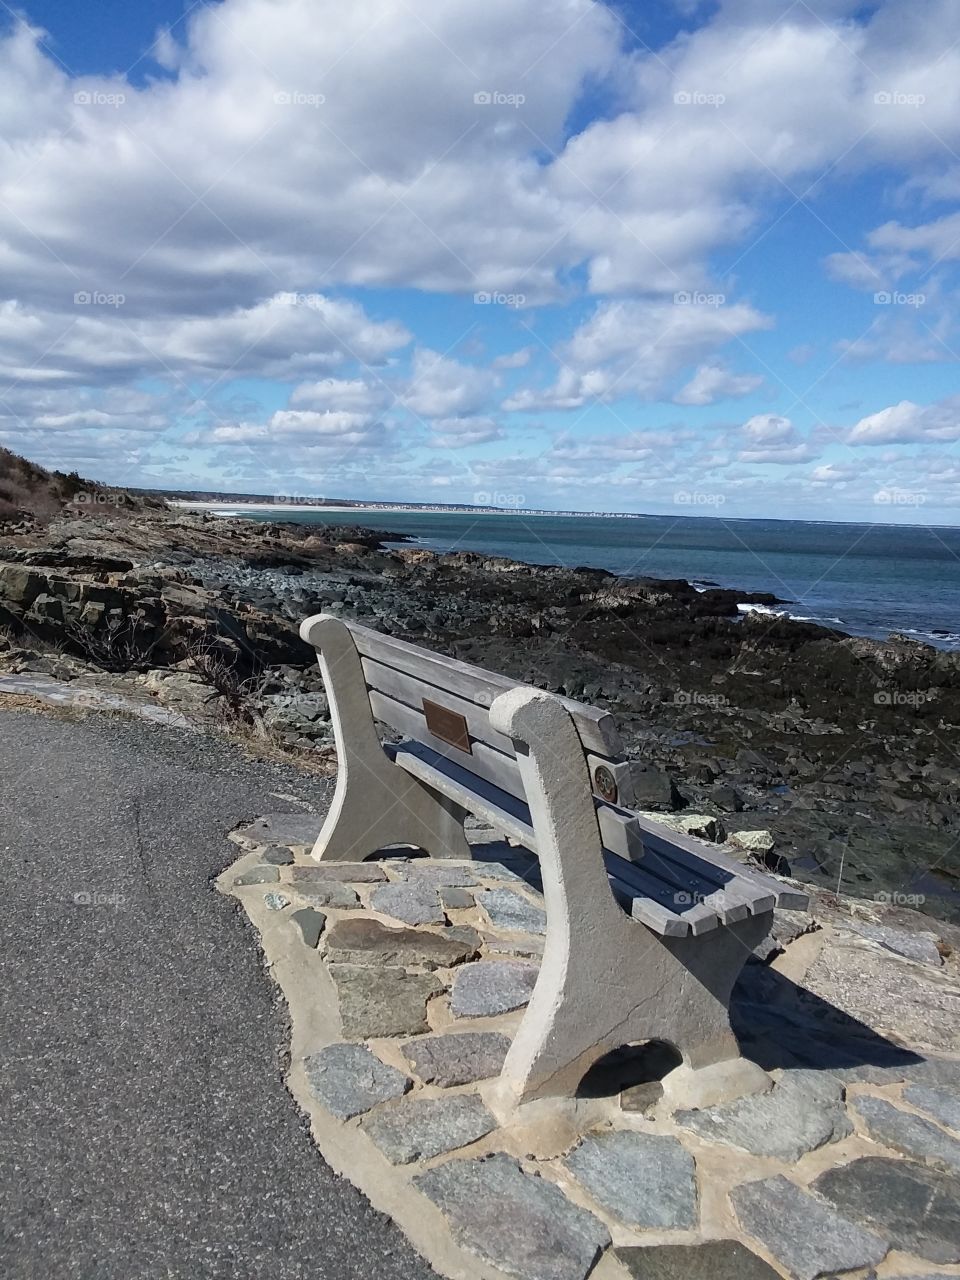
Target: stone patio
{"type": "Point", "coordinates": [406, 980]}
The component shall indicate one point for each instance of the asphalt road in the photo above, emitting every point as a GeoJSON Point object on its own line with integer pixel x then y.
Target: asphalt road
{"type": "Point", "coordinates": [144, 1127]}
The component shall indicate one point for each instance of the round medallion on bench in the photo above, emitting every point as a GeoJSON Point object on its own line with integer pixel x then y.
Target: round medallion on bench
{"type": "Point", "coordinates": [605, 783]}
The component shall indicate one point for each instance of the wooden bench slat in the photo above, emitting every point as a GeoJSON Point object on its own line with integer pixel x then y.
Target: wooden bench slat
{"type": "Point", "coordinates": [674, 844]}
{"type": "Point", "coordinates": [411, 690]}
{"type": "Point", "coordinates": [511, 817]}
{"type": "Point", "coordinates": [597, 729]}
{"type": "Point", "coordinates": [716, 890]}
{"type": "Point", "coordinates": [483, 762]}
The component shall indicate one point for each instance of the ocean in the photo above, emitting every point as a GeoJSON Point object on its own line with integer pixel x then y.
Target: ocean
{"type": "Point", "coordinates": [863, 579]}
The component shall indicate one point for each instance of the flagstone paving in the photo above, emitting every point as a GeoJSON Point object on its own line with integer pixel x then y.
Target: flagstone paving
{"type": "Point", "coordinates": [409, 986]}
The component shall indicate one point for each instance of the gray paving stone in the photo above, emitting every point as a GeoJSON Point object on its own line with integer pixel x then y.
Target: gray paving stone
{"type": "Point", "coordinates": [464, 933]}
{"type": "Point", "coordinates": [942, 1104]}
{"type": "Point", "coordinates": [453, 899]}
{"type": "Point", "coordinates": [529, 947]}
{"type": "Point", "coordinates": [509, 910]}
{"type": "Point", "coordinates": [333, 894]}
{"type": "Point", "coordinates": [926, 1070]}
{"type": "Point", "coordinates": [348, 1079]}
{"type": "Point", "coordinates": [915, 1207]}
{"type": "Point", "coordinates": [275, 901]}
{"type": "Point", "coordinates": [448, 874]}
{"type": "Point", "coordinates": [921, 947]}
{"type": "Point", "coordinates": [346, 872]}
{"type": "Point", "coordinates": [644, 1179]}
{"type": "Point", "coordinates": [310, 923]}
{"type": "Point", "coordinates": [277, 855]}
{"type": "Point", "coordinates": [414, 902]}
{"type": "Point", "coordinates": [802, 1112]}
{"type": "Point", "coordinates": [454, 1059]}
{"type": "Point", "coordinates": [421, 1128]}
{"type": "Point", "coordinates": [490, 987]}
{"type": "Point", "coordinates": [382, 1001]}
{"type": "Point", "coordinates": [258, 875]}
{"type": "Point", "coordinates": [807, 1237]}
{"type": "Point", "coordinates": [282, 828]}
{"type": "Point", "coordinates": [503, 871]}
{"type": "Point", "coordinates": [367, 941]}
{"type": "Point", "coordinates": [911, 1134]}
{"type": "Point", "coordinates": [711, 1260]}
{"type": "Point", "coordinates": [521, 1223]}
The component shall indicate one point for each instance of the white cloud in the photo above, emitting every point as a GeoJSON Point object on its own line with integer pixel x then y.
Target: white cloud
{"type": "Point", "coordinates": [441, 387]}
{"type": "Point", "coordinates": [711, 383]}
{"type": "Point", "coordinates": [909, 423]}
{"type": "Point", "coordinates": [768, 438]}
{"type": "Point", "coordinates": [458, 433]}
{"type": "Point", "coordinates": [637, 347]}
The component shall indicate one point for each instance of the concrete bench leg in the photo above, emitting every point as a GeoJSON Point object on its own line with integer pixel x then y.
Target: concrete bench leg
{"type": "Point", "coordinates": [607, 980]}
{"type": "Point", "coordinates": [375, 803]}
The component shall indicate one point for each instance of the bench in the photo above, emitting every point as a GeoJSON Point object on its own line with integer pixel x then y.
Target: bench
{"type": "Point", "coordinates": [647, 930]}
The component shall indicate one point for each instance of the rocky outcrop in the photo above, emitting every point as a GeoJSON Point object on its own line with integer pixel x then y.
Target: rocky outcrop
{"type": "Point", "coordinates": [826, 753]}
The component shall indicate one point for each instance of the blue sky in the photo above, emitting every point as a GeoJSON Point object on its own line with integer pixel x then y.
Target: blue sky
{"type": "Point", "coordinates": [675, 257]}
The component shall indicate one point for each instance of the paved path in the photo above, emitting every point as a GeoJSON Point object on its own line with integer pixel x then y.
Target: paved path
{"type": "Point", "coordinates": [144, 1127]}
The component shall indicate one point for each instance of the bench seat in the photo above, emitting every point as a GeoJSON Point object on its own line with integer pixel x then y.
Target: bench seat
{"type": "Point", "coordinates": [672, 890]}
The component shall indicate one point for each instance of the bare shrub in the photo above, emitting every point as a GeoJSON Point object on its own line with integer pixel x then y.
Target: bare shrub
{"type": "Point", "coordinates": [238, 693]}
{"type": "Point", "coordinates": [117, 645]}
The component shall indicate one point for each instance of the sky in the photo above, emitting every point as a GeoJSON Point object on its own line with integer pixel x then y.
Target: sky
{"type": "Point", "coordinates": [684, 257]}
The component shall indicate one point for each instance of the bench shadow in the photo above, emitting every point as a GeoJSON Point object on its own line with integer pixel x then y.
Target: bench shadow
{"type": "Point", "coordinates": [781, 1024]}
{"type": "Point", "coordinates": [777, 1023]}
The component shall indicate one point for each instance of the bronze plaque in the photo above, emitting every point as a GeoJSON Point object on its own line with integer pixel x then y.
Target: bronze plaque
{"type": "Point", "coordinates": [447, 725]}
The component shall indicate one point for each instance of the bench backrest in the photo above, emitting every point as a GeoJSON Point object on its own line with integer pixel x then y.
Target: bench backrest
{"type": "Point", "coordinates": [445, 704]}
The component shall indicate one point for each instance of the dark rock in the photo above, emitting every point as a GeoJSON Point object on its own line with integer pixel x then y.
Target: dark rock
{"type": "Point", "coordinates": [942, 1104]}
{"type": "Point", "coordinates": [711, 1260]}
{"type": "Point", "coordinates": [454, 1059]}
{"type": "Point", "coordinates": [310, 923]}
{"type": "Point", "coordinates": [452, 899]}
{"type": "Point", "coordinates": [330, 893]}
{"type": "Point", "coordinates": [277, 856]}
{"type": "Point", "coordinates": [490, 987]}
{"type": "Point", "coordinates": [370, 942]}
{"type": "Point", "coordinates": [806, 1237]}
{"type": "Point", "coordinates": [382, 1001]}
{"type": "Point", "coordinates": [916, 1208]}
{"type": "Point", "coordinates": [344, 872]}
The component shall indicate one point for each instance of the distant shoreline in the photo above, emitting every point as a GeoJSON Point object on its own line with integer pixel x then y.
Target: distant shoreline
{"type": "Point", "coordinates": [227, 507]}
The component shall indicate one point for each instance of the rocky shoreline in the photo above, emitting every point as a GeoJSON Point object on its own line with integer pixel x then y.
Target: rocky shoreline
{"type": "Point", "coordinates": [842, 749]}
